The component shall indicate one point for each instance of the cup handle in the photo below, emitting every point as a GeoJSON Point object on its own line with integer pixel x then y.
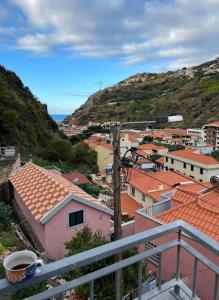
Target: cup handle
{"type": "Point", "coordinates": [39, 263]}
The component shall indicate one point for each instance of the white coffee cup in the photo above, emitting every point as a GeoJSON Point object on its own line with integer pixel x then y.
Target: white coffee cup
{"type": "Point", "coordinates": [21, 266]}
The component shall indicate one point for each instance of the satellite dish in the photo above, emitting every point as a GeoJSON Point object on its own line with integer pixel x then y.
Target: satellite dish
{"type": "Point", "coordinates": [215, 180]}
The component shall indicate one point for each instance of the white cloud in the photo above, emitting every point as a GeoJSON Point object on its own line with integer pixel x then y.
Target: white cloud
{"type": "Point", "coordinates": [180, 31]}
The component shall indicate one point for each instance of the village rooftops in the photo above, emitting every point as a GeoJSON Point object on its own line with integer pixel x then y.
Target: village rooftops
{"type": "Point", "coordinates": [193, 156]}
{"type": "Point", "coordinates": [151, 147]}
{"type": "Point", "coordinates": [202, 212]}
{"type": "Point", "coordinates": [76, 178]}
{"type": "Point", "coordinates": [44, 193]}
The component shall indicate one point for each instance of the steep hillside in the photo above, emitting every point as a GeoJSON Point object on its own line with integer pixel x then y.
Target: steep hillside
{"type": "Point", "coordinates": [192, 92]}
{"type": "Point", "coordinates": [24, 121]}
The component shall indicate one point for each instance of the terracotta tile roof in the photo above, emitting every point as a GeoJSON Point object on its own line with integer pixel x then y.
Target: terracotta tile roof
{"type": "Point", "coordinates": [191, 155]}
{"type": "Point", "coordinates": [170, 178]}
{"type": "Point", "coordinates": [183, 196]}
{"type": "Point", "coordinates": [174, 131]}
{"type": "Point", "coordinates": [147, 183]}
{"type": "Point", "coordinates": [160, 160]}
{"type": "Point", "coordinates": [134, 173]}
{"type": "Point", "coordinates": [40, 190]}
{"type": "Point", "coordinates": [157, 194]}
{"type": "Point", "coordinates": [151, 147]}
{"type": "Point", "coordinates": [196, 187]}
{"type": "Point", "coordinates": [76, 178]}
{"type": "Point", "coordinates": [143, 160]}
{"type": "Point", "coordinates": [200, 213]}
{"type": "Point", "coordinates": [129, 205]}
{"type": "Point", "coordinates": [140, 152]}
{"type": "Point", "coordinates": [216, 123]}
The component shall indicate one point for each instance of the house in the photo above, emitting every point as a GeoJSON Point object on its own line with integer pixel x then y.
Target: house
{"type": "Point", "coordinates": [55, 209]}
{"type": "Point", "coordinates": [150, 149]}
{"type": "Point", "coordinates": [76, 178]}
{"type": "Point", "coordinates": [211, 134]}
{"type": "Point", "coordinates": [128, 140]}
{"type": "Point", "coordinates": [191, 163]}
{"type": "Point", "coordinates": [104, 152]}
{"type": "Point", "coordinates": [149, 188]}
{"type": "Point", "coordinates": [202, 212]}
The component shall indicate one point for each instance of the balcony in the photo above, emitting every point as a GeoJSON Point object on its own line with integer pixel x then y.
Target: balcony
{"type": "Point", "coordinates": [173, 289]}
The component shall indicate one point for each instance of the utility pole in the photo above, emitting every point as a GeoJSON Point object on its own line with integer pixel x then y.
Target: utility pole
{"type": "Point", "coordinates": [117, 188]}
{"type": "Point", "coordinates": [117, 206]}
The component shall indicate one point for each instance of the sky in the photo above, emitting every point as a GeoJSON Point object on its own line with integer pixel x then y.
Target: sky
{"type": "Point", "coordinates": [63, 49]}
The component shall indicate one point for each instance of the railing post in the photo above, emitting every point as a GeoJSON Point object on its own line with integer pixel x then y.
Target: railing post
{"type": "Point", "coordinates": [159, 271]}
{"type": "Point", "coordinates": [216, 286]}
{"type": "Point", "coordinates": [194, 277]}
{"type": "Point", "coordinates": [118, 275]}
{"type": "Point", "coordinates": [91, 294]}
{"type": "Point", "coordinates": [177, 288]}
{"type": "Point", "coordinates": [178, 255]}
{"type": "Point", "coordinates": [139, 280]}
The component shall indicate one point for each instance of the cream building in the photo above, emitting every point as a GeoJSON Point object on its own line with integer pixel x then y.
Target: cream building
{"type": "Point", "coordinates": [191, 163]}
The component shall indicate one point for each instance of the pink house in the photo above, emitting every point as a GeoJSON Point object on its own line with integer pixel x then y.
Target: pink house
{"type": "Point", "coordinates": [202, 212]}
{"type": "Point", "coordinates": [55, 209]}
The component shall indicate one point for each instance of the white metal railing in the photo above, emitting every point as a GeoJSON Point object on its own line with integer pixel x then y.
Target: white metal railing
{"type": "Point", "coordinates": [73, 262]}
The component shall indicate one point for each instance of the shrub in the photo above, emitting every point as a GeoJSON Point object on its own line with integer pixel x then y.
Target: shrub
{"type": "Point", "coordinates": [6, 242]}
{"type": "Point", "coordinates": [5, 213]}
{"type": "Point", "coordinates": [2, 249]}
{"type": "Point", "coordinates": [24, 293]}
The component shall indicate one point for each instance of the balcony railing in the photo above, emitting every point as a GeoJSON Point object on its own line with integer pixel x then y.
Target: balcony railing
{"type": "Point", "coordinates": [177, 285]}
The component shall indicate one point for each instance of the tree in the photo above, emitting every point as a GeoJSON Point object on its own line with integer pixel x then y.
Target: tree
{"type": "Point", "coordinates": [104, 287]}
{"type": "Point", "coordinates": [5, 213]}
{"type": "Point", "coordinates": [62, 148]}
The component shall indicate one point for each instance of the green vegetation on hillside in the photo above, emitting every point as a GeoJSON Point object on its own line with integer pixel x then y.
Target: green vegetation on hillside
{"type": "Point", "coordinates": [24, 120]}
{"type": "Point", "coordinates": [60, 153]}
{"type": "Point", "coordinates": [194, 95]}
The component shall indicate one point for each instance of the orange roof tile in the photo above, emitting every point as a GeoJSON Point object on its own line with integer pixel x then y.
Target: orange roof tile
{"type": "Point", "coordinates": [147, 183]}
{"type": "Point", "coordinates": [151, 147]}
{"type": "Point", "coordinates": [216, 123]}
{"type": "Point", "coordinates": [160, 160]}
{"type": "Point", "coordinates": [129, 205]}
{"type": "Point", "coordinates": [155, 195]}
{"type": "Point", "coordinates": [174, 131]}
{"type": "Point", "coordinates": [199, 212]}
{"type": "Point", "coordinates": [191, 155]}
{"type": "Point", "coordinates": [183, 196]}
{"type": "Point", "coordinates": [170, 178]}
{"type": "Point", "coordinates": [28, 182]}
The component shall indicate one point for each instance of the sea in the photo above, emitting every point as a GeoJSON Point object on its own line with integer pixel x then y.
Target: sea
{"type": "Point", "coordinates": [58, 118]}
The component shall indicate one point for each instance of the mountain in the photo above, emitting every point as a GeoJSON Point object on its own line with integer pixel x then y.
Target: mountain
{"type": "Point", "coordinates": [24, 120]}
{"type": "Point", "coordinates": [192, 92]}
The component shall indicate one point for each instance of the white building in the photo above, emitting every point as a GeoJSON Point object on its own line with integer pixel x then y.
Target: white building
{"type": "Point", "coordinates": [191, 163]}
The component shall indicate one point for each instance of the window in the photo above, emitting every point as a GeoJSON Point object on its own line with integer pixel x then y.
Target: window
{"type": "Point", "coordinates": [192, 168]}
{"type": "Point", "coordinates": [132, 191]}
{"type": "Point", "coordinates": [76, 218]}
{"type": "Point", "coordinates": [143, 198]}
{"type": "Point", "coordinates": [166, 159]}
{"type": "Point", "coordinates": [172, 160]}
{"type": "Point", "coordinates": [184, 165]}
{"type": "Point", "coordinates": [201, 171]}
{"type": "Point", "coordinates": [155, 258]}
